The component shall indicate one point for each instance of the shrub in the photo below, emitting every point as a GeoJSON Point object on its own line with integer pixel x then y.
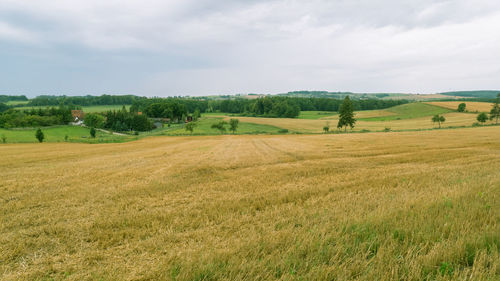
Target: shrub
{"type": "Point", "coordinates": [461, 107]}
{"type": "Point", "coordinates": [283, 131]}
{"type": "Point", "coordinates": [4, 139]}
{"type": "Point", "coordinates": [39, 135]}
{"type": "Point", "coordinates": [482, 117]}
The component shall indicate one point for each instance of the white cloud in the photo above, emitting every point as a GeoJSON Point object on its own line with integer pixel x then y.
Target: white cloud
{"type": "Point", "coordinates": [268, 46]}
{"type": "Point", "coordinates": [9, 32]}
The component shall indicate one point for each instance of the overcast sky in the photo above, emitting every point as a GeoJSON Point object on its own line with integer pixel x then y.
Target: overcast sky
{"type": "Point", "coordinates": [199, 47]}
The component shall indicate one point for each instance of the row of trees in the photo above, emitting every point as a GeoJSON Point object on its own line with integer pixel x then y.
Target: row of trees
{"type": "Point", "coordinates": [121, 120]}
{"type": "Point", "coordinates": [6, 98]}
{"type": "Point", "coordinates": [291, 106]}
{"type": "Point", "coordinates": [270, 106]}
{"type": "Point", "coordinates": [83, 100]}
{"type": "Point", "coordinates": [220, 126]}
{"type": "Point", "coordinates": [35, 117]}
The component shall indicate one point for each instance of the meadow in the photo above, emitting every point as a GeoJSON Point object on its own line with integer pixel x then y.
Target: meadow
{"type": "Point", "coordinates": [203, 127]}
{"type": "Point", "coordinates": [412, 116]}
{"type": "Point", "coordinates": [59, 133]}
{"type": "Point", "coordinates": [13, 102]}
{"type": "Point", "coordinates": [376, 206]}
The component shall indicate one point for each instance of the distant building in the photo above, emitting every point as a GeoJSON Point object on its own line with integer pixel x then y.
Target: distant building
{"type": "Point", "coordinates": [139, 113]}
{"type": "Point", "coordinates": [78, 115]}
{"type": "Point", "coordinates": [189, 119]}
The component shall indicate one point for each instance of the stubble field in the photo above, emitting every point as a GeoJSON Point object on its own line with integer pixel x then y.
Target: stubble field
{"type": "Point", "coordinates": [376, 206]}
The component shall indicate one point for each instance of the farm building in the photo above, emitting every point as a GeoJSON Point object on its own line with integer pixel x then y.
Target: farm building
{"type": "Point", "coordinates": [77, 115]}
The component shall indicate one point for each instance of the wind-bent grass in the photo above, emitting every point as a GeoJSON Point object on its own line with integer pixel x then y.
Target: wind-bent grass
{"type": "Point", "coordinates": [394, 206]}
{"type": "Point", "coordinates": [470, 106]}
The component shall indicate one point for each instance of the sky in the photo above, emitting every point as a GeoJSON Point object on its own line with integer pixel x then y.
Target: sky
{"type": "Point", "coordinates": [201, 47]}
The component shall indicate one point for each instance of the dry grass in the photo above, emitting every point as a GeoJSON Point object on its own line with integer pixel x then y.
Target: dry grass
{"type": "Point", "coordinates": [381, 206]}
{"type": "Point", "coordinates": [471, 106]}
{"type": "Point", "coordinates": [316, 126]}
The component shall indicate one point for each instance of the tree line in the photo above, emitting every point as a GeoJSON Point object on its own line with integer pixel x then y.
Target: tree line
{"type": "Point", "coordinates": [119, 120]}
{"type": "Point", "coordinates": [35, 117]}
{"type": "Point", "coordinates": [6, 98]}
{"type": "Point", "coordinates": [83, 100]}
{"type": "Point", "coordinates": [176, 107]}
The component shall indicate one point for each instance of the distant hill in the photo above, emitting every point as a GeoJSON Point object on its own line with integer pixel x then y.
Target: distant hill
{"type": "Point", "coordinates": [488, 94]}
{"type": "Point", "coordinates": [340, 95]}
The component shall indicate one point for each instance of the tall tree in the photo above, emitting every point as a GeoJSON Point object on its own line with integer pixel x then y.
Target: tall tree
{"type": "Point", "coordinates": [346, 114]}
{"type": "Point", "coordinates": [482, 117]}
{"type": "Point", "coordinates": [438, 119]}
{"type": "Point", "coordinates": [495, 111]}
{"type": "Point", "coordinates": [196, 114]}
{"type": "Point", "coordinates": [233, 125]}
{"type": "Point", "coordinates": [190, 126]}
{"type": "Point", "coordinates": [39, 135]}
{"type": "Point", "coordinates": [461, 107]}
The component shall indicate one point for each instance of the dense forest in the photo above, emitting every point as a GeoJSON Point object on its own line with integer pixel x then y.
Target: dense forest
{"type": "Point", "coordinates": [486, 94]}
{"type": "Point", "coordinates": [35, 117]}
{"type": "Point", "coordinates": [275, 106]}
{"type": "Point", "coordinates": [3, 107]}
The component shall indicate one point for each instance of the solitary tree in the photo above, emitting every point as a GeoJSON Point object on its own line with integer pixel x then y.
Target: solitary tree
{"type": "Point", "coordinates": [439, 119]}
{"type": "Point", "coordinates": [4, 139]}
{"type": "Point", "coordinates": [461, 107]}
{"type": "Point", "coordinates": [495, 111]}
{"type": "Point", "coordinates": [94, 120]}
{"type": "Point", "coordinates": [39, 135]}
{"type": "Point", "coordinates": [220, 126]}
{"type": "Point", "coordinates": [196, 114]}
{"type": "Point", "coordinates": [190, 126]}
{"type": "Point", "coordinates": [92, 132]}
{"type": "Point", "coordinates": [326, 128]}
{"type": "Point", "coordinates": [346, 114]}
{"type": "Point", "coordinates": [233, 125]}
{"type": "Point", "coordinates": [482, 117]}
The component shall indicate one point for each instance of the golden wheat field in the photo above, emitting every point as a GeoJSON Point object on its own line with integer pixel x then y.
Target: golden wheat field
{"type": "Point", "coordinates": [376, 206]}
{"type": "Point", "coordinates": [471, 106]}
{"type": "Point", "coordinates": [453, 119]}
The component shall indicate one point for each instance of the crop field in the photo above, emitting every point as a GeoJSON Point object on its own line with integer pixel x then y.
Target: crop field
{"type": "Point", "coordinates": [413, 116]}
{"type": "Point", "coordinates": [453, 119]}
{"type": "Point", "coordinates": [471, 106]}
{"type": "Point", "coordinates": [376, 206]}
{"type": "Point", "coordinates": [408, 111]}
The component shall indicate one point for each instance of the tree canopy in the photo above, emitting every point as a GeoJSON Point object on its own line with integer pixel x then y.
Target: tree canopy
{"type": "Point", "coordinates": [346, 114]}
